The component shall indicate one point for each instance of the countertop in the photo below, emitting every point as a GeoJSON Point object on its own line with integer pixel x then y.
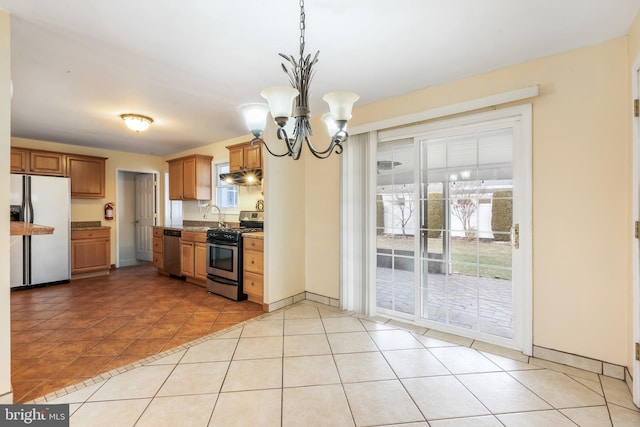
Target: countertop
{"type": "Point", "coordinates": [27, 229]}
{"type": "Point", "coordinates": [88, 225]}
{"type": "Point", "coordinates": [203, 229]}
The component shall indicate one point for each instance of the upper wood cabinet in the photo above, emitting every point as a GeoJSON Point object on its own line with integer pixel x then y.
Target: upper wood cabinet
{"type": "Point", "coordinates": [176, 179]}
{"type": "Point", "coordinates": [37, 162]}
{"type": "Point", "coordinates": [87, 175]}
{"type": "Point", "coordinates": [19, 160]}
{"type": "Point", "coordinates": [47, 163]}
{"type": "Point", "coordinates": [190, 178]}
{"type": "Point", "coordinates": [244, 157]}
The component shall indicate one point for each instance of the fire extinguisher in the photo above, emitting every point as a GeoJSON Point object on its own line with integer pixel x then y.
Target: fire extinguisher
{"type": "Point", "coordinates": [108, 211]}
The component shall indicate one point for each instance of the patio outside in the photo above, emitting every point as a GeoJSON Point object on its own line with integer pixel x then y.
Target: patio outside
{"type": "Point", "coordinates": [470, 297]}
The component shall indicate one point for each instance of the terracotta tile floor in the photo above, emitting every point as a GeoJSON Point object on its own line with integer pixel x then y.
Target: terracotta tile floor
{"type": "Point", "coordinates": [65, 334]}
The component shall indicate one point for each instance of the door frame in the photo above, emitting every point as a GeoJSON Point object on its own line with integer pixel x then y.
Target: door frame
{"type": "Point", "coordinates": [635, 243]}
{"type": "Point", "coordinates": [118, 192]}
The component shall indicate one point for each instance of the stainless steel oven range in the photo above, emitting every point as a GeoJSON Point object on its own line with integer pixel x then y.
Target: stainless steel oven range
{"type": "Point", "coordinates": [224, 256]}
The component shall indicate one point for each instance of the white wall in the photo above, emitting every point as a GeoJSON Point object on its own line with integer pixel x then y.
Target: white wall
{"type": "Point", "coordinates": [6, 395]}
{"type": "Point", "coordinates": [284, 249]}
{"type": "Point", "coordinates": [322, 228]}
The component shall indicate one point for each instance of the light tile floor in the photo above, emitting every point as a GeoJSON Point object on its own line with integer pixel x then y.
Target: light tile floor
{"type": "Point", "coordinates": [312, 365]}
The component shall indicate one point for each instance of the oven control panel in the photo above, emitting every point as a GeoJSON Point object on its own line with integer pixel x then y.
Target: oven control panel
{"type": "Point", "coordinates": [252, 216]}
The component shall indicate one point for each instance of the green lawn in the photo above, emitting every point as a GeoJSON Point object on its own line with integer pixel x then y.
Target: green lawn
{"type": "Point", "coordinates": [474, 257]}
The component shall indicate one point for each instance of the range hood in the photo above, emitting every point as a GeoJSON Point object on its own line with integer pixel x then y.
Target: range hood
{"type": "Point", "coordinates": [246, 177]}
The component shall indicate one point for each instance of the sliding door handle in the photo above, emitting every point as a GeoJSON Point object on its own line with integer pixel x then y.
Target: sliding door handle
{"type": "Point", "coordinates": [515, 236]}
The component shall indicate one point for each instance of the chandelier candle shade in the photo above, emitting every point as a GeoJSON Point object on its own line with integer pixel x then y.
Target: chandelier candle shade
{"type": "Point", "coordinates": [296, 131]}
{"type": "Point", "coordinates": [136, 122]}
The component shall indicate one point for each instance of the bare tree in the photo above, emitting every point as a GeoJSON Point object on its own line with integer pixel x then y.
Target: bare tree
{"type": "Point", "coordinates": [406, 206]}
{"type": "Point", "coordinates": [465, 197]}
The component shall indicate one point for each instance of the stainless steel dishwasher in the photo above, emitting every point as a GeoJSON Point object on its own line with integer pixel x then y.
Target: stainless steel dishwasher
{"type": "Point", "coordinates": [172, 252]}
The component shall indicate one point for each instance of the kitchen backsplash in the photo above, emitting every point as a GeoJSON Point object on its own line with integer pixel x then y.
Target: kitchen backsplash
{"type": "Point", "coordinates": [247, 199]}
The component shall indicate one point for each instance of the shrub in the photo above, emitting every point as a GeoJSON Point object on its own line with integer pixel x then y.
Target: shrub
{"type": "Point", "coordinates": [502, 214]}
{"type": "Point", "coordinates": [434, 208]}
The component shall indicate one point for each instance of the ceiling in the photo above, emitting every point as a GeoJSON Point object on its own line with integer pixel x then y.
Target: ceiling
{"type": "Point", "coordinates": [78, 64]}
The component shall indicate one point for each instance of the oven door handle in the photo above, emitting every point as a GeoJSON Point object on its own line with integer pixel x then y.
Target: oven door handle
{"type": "Point", "coordinates": [225, 244]}
{"type": "Point", "coordinates": [222, 280]}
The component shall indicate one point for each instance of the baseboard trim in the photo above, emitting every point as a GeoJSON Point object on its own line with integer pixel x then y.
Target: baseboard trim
{"type": "Point", "coordinates": [331, 302]}
{"type": "Point", "coordinates": [599, 367]}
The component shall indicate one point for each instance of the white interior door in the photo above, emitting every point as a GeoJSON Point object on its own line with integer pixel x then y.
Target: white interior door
{"type": "Point", "coordinates": [145, 216]}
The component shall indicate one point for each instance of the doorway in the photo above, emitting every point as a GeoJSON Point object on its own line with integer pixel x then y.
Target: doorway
{"type": "Point", "coordinates": [136, 214]}
{"type": "Point", "coordinates": [453, 215]}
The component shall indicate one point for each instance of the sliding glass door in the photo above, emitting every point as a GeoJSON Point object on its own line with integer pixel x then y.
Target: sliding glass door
{"type": "Point", "coordinates": [446, 236]}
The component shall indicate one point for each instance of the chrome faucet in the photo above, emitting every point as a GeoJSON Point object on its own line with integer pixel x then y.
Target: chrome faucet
{"type": "Point", "coordinates": [220, 222]}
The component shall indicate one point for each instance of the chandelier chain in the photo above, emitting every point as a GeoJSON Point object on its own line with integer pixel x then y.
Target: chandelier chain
{"type": "Point", "coordinates": [302, 27]}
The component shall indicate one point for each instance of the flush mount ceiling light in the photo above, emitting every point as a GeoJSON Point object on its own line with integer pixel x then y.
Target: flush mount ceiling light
{"type": "Point", "coordinates": [136, 122]}
{"type": "Point", "coordinates": [296, 131]}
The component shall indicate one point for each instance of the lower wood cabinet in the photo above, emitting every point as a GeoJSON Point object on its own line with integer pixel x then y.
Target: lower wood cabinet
{"type": "Point", "coordinates": [188, 258]}
{"type": "Point", "coordinates": [253, 268]}
{"type": "Point", "coordinates": [90, 252]}
{"type": "Point", "coordinates": [200, 261]}
{"type": "Point", "coordinates": [158, 248]}
{"type": "Point", "coordinates": [193, 254]}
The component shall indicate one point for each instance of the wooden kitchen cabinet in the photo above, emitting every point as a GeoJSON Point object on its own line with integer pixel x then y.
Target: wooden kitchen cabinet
{"type": "Point", "coordinates": [87, 175]}
{"type": "Point", "coordinates": [193, 254]}
{"type": "Point", "coordinates": [187, 258]}
{"type": "Point", "coordinates": [158, 248]}
{"type": "Point", "coordinates": [200, 261]}
{"type": "Point", "coordinates": [90, 252]}
{"type": "Point", "coordinates": [244, 157]}
{"type": "Point", "coordinates": [47, 163]}
{"type": "Point", "coordinates": [253, 268]}
{"type": "Point", "coordinates": [176, 172]}
{"type": "Point", "coordinates": [19, 160]}
{"type": "Point", "coordinates": [236, 158]}
{"type": "Point", "coordinates": [190, 178]}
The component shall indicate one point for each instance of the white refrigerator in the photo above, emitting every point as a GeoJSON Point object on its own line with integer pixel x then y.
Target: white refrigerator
{"type": "Point", "coordinates": [41, 259]}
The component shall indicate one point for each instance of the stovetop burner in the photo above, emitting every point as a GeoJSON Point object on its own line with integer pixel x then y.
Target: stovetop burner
{"type": "Point", "coordinates": [250, 221]}
{"type": "Point", "coordinates": [228, 234]}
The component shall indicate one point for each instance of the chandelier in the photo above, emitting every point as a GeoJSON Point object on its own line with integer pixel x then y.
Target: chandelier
{"type": "Point", "coordinates": [296, 131]}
